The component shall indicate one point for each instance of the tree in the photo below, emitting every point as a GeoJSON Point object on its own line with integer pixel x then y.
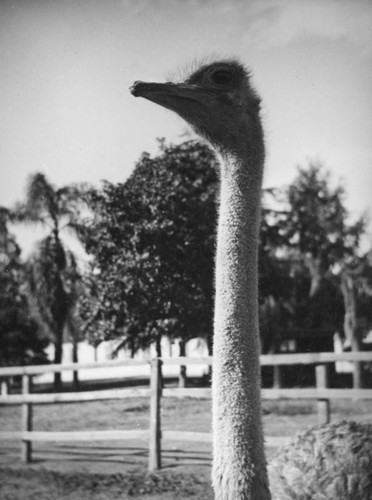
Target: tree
{"type": "Point", "coordinates": [20, 340]}
{"type": "Point", "coordinates": [274, 276]}
{"type": "Point", "coordinates": [153, 240]}
{"type": "Point", "coordinates": [317, 227]}
{"type": "Point", "coordinates": [305, 238]}
{"type": "Point", "coordinates": [50, 265]}
{"type": "Point", "coordinates": [319, 240]}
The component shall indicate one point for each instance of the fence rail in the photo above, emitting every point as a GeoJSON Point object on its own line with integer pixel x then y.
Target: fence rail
{"type": "Point", "coordinates": [12, 371]}
{"type": "Point", "coordinates": [265, 360]}
{"type": "Point", "coordinates": [72, 397]}
{"type": "Point", "coordinates": [321, 393]}
{"type": "Point", "coordinates": [64, 436]}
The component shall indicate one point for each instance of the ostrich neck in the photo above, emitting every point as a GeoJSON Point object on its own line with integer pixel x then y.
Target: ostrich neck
{"type": "Point", "coordinates": [239, 459]}
{"type": "Point", "coordinates": [237, 245]}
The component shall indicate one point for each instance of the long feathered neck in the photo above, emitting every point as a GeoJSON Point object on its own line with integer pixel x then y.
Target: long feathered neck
{"type": "Point", "coordinates": [239, 466]}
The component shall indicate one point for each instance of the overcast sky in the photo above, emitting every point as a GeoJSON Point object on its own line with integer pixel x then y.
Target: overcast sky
{"type": "Point", "coordinates": [66, 66]}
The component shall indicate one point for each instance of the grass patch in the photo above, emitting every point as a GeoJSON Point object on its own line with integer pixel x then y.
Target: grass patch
{"type": "Point", "coordinates": [102, 471]}
{"type": "Point", "coordinates": [137, 408]}
{"type": "Point", "coordinates": [22, 484]}
{"type": "Point", "coordinates": [288, 408]}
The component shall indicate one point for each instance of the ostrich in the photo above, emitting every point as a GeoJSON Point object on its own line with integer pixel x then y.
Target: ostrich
{"type": "Point", "coordinates": [329, 462]}
{"type": "Point", "coordinates": [219, 102]}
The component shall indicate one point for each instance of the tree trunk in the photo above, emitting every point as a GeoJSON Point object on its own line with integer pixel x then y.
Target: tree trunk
{"type": "Point", "coordinates": [350, 325]}
{"type": "Point", "coordinates": [158, 346]}
{"type": "Point", "coordinates": [182, 380]}
{"type": "Point", "coordinates": [159, 355]}
{"type": "Point", "coordinates": [75, 346]}
{"type": "Point", "coordinates": [277, 369]}
{"type": "Point", "coordinates": [358, 379]}
{"type": "Point", "coordinates": [210, 353]}
{"type": "Point", "coordinates": [75, 359]}
{"type": "Point", "coordinates": [317, 273]}
{"type": "Point", "coordinates": [58, 351]}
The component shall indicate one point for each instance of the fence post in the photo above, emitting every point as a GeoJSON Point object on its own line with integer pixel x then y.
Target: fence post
{"type": "Point", "coordinates": [26, 446]}
{"type": "Point", "coordinates": [321, 376]}
{"type": "Point", "coordinates": [155, 423]}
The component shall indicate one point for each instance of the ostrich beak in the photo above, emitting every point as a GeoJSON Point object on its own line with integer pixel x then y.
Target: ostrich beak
{"type": "Point", "coordinates": [174, 96]}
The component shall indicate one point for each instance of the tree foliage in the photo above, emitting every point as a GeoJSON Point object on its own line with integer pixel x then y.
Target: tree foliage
{"type": "Point", "coordinates": [152, 244]}
{"type": "Point", "coordinates": [152, 239]}
{"type": "Point", "coordinates": [313, 240]}
{"type": "Point", "coordinates": [316, 226]}
{"type": "Point", "coordinates": [21, 342]}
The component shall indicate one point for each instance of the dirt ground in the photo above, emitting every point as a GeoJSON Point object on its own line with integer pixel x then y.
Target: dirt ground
{"type": "Point", "coordinates": [108, 470]}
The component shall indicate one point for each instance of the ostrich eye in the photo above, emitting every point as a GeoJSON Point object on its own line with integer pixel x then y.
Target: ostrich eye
{"type": "Point", "coordinates": [221, 77]}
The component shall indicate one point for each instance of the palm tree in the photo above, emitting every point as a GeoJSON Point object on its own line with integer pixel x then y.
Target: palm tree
{"type": "Point", "coordinates": [52, 268]}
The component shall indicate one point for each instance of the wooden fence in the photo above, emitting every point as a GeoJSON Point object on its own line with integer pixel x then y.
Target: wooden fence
{"type": "Point", "coordinates": [321, 393]}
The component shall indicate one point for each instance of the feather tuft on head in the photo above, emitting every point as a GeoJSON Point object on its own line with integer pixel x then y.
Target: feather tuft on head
{"type": "Point", "coordinates": [183, 72]}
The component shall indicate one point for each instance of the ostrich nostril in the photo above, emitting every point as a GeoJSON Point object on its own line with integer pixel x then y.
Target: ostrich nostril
{"type": "Point", "coordinates": [135, 88]}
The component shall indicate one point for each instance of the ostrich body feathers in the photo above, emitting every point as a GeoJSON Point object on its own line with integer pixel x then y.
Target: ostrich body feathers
{"type": "Point", "coordinates": [329, 462]}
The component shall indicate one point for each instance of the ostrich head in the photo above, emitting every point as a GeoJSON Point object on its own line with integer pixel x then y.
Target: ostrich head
{"type": "Point", "coordinates": [217, 100]}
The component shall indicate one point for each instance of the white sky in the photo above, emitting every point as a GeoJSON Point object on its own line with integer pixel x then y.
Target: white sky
{"type": "Point", "coordinates": [66, 66]}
